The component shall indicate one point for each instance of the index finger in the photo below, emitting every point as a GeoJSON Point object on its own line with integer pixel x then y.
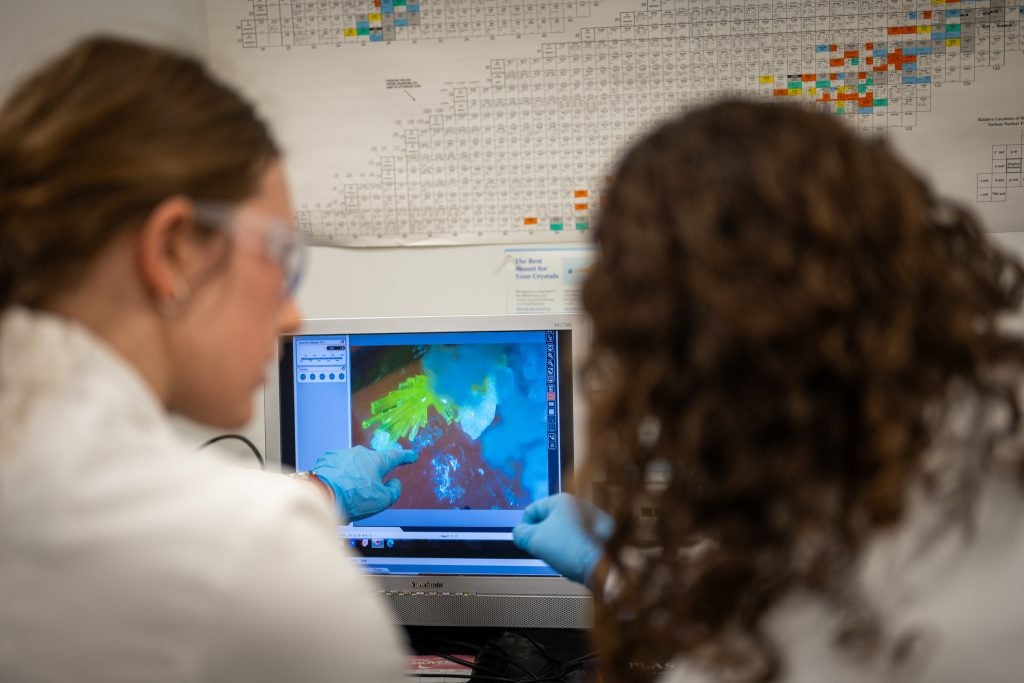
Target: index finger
{"type": "Point", "coordinates": [395, 457]}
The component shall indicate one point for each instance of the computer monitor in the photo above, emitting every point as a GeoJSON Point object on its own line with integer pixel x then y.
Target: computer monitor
{"type": "Point", "coordinates": [488, 404]}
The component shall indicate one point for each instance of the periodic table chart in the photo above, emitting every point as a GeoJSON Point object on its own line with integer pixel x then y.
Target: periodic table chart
{"type": "Point", "coordinates": [420, 122]}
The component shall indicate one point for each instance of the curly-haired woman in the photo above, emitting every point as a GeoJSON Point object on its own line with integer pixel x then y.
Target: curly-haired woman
{"type": "Point", "coordinates": [801, 363]}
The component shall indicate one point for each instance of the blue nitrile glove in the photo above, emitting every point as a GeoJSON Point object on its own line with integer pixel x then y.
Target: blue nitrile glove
{"type": "Point", "coordinates": [356, 478]}
{"type": "Point", "coordinates": [552, 530]}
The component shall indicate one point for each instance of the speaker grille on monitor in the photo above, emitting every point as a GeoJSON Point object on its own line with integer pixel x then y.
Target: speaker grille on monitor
{"type": "Point", "coordinates": [520, 611]}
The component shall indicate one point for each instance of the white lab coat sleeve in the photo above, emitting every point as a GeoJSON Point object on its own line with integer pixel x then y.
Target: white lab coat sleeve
{"type": "Point", "coordinates": [297, 609]}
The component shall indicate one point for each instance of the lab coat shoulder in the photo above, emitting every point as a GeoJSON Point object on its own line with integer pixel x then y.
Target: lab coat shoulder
{"type": "Point", "coordinates": [293, 605]}
{"type": "Point", "coordinates": [955, 597]}
{"type": "Point", "coordinates": [128, 556]}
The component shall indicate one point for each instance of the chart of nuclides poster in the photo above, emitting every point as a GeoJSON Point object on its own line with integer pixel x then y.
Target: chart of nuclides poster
{"type": "Point", "coordinates": [415, 122]}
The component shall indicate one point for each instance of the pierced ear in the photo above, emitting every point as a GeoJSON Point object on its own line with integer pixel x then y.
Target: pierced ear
{"type": "Point", "coordinates": [165, 249]}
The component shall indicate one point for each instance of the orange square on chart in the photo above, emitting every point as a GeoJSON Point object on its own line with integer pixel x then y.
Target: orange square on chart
{"type": "Point", "coordinates": [869, 46]}
{"type": "Point", "coordinates": [779, 92]}
{"type": "Point", "coordinates": [581, 207]}
{"type": "Point", "coordinates": [529, 221]}
{"type": "Point", "coordinates": [580, 193]}
{"type": "Point", "coordinates": [808, 78]}
{"type": "Point", "coordinates": [871, 60]}
{"type": "Point", "coordinates": [928, 15]}
{"type": "Point", "coordinates": [832, 48]}
{"type": "Point", "coordinates": [835, 62]}
{"type": "Point", "coordinates": [376, 3]}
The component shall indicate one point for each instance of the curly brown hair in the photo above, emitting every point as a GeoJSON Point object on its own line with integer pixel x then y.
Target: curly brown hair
{"type": "Point", "coordinates": [780, 310]}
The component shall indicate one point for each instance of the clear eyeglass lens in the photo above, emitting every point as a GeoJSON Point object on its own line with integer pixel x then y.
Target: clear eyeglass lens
{"type": "Point", "coordinates": [282, 243]}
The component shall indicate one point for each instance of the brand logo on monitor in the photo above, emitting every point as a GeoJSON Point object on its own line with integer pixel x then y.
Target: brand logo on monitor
{"type": "Point", "coordinates": [426, 584]}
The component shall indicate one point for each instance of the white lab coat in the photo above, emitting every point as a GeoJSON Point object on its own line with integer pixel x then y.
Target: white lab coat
{"type": "Point", "coordinates": [127, 556]}
{"type": "Point", "coordinates": [960, 594]}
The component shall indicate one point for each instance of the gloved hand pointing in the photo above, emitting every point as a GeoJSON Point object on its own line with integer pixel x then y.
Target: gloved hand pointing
{"type": "Point", "coordinates": [552, 530]}
{"type": "Point", "coordinates": [356, 476]}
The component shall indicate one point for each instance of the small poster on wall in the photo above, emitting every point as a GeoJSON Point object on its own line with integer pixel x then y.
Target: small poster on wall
{"type": "Point", "coordinates": [540, 280]}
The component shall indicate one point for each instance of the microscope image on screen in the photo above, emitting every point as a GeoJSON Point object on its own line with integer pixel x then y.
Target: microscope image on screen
{"type": "Point", "coordinates": [477, 414]}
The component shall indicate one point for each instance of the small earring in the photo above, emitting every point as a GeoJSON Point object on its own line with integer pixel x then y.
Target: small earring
{"type": "Point", "coordinates": [169, 306]}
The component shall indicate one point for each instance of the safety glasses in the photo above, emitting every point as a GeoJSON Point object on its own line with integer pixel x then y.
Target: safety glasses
{"type": "Point", "coordinates": [281, 241]}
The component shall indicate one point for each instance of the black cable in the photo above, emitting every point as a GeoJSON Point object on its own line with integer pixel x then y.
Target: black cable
{"type": "Point", "coordinates": [508, 659]}
{"type": "Point", "coordinates": [239, 437]}
{"type": "Point", "coordinates": [538, 646]}
{"type": "Point", "coordinates": [474, 649]}
{"type": "Point", "coordinates": [479, 651]}
{"type": "Point", "coordinates": [582, 659]}
{"type": "Point", "coordinates": [498, 655]}
{"type": "Point", "coordinates": [472, 666]}
{"type": "Point", "coordinates": [565, 668]}
{"type": "Point", "coordinates": [468, 677]}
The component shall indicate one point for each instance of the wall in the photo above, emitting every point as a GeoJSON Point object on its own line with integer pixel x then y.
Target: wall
{"type": "Point", "coordinates": [340, 282]}
{"type": "Point", "coordinates": [32, 30]}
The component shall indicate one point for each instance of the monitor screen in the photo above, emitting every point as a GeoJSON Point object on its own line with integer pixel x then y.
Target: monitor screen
{"type": "Point", "coordinates": [487, 403]}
